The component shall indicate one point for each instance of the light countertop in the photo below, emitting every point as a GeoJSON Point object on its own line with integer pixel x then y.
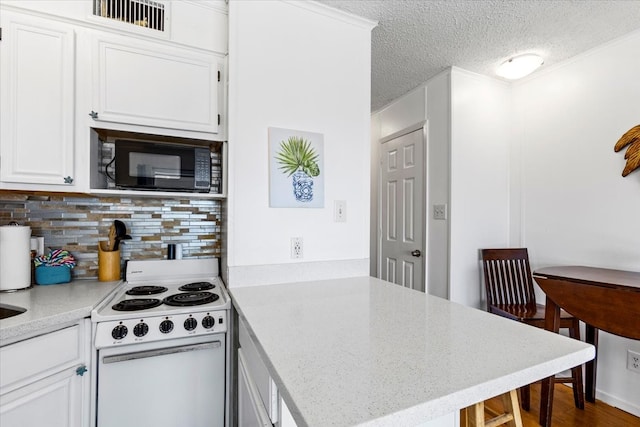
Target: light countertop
{"type": "Point", "coordinates": [51, 305]}
{"type": "Point", "coordinates": [361, 351]}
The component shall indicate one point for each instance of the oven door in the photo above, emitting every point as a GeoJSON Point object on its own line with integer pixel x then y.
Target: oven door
{"type": "Point", "coordinates": [171, 383]}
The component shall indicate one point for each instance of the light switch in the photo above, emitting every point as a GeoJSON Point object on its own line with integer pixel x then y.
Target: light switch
{"type": "Point", "coordinates": [340, 211]}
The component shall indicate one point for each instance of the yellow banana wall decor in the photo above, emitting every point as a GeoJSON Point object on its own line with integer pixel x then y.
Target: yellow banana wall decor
{"type": "Point", "coordinates": [632, 139]}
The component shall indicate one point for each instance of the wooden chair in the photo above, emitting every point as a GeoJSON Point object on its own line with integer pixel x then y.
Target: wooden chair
{"type": "Point", "coordinates": [510, 294]}
{"type": "Point", "coordinates": [474, 415]}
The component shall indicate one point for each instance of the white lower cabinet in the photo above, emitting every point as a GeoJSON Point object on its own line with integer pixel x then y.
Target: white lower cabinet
{"type": "Point", "coordinates": [43, 380]}
{"type": "Point", "coordinates": [37, 82]}
{"type": "Point", "coordinates": [251, 411]}
{"type": "Point", "coordinates": [259, 403]}
{"type": "Point", "coordinates": [53, 402]}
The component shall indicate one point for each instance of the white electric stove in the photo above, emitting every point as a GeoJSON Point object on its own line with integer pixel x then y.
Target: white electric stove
{"type": "Point", "coordinates": [160, 337]}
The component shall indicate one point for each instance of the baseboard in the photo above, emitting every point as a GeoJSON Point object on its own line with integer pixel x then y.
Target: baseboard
{"type": "Point", "coordinates": [629, 407]}
{"type": "Point", "coordinates": [609, 399]}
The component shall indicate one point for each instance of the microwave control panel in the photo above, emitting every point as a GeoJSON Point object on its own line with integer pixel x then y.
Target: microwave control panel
{"type": "Point", "coordinates": [202, 168]}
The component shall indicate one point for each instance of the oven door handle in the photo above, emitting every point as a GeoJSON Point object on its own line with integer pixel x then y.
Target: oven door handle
{"type": "Point", "coordinates": [159, 352]}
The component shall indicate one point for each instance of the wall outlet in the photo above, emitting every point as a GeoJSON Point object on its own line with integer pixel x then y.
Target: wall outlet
{"type": "Point", "coordinates": [439, 211]}
{"type": "Point", "coordinates": [296, 247]}
{"type": "Point", "coordinates": [633, 361]}
{"type": "Point", "coordinates": [340, 211]}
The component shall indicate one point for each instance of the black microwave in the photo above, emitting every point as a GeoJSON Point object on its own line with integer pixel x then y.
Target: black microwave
{"type": "Point", "coordinates": [159, 166]}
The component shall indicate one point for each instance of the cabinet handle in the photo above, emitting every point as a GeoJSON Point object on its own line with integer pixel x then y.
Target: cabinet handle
{"type": "Point", "coordinates": [93, 114]}
{"type": "Point", "coordinates": [81, 370]}
{"type": "Point", "coordinates": [68, 180]}
{"type": "Point", "coordinates": [160, 352]}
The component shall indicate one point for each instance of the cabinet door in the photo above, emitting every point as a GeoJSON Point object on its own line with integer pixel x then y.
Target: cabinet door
{"type": "Point", "coordinates": [37, 101]}
{"type": "Point", "coordinates": [55, 401]}
{"type": "Point", "coordinates": [150, 84]}
{"type": "Point", "coordinates": [251, 411]}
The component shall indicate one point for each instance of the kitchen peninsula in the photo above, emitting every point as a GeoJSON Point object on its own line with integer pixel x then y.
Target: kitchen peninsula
{"type": "Point", "coordinates": [361, 351]}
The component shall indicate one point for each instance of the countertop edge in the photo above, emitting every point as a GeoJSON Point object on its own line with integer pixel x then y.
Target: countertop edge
{"type": "Point", "coordinates": [464, 398]}
{"type": "Point", "coordinates": [42, 325]}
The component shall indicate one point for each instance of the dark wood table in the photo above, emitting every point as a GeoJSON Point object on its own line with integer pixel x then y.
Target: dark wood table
{"type": "Point", "coordinates": [602, 298]}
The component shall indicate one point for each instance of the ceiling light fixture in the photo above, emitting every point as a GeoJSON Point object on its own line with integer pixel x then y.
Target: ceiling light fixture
{"type": "Point", "coordinates": [519, 66]}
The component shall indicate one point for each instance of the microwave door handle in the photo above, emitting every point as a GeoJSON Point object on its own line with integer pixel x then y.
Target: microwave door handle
{"type": "Point", "coordinates": [166, 176]}
{"type": "Point", "coordinates": [159, 352]}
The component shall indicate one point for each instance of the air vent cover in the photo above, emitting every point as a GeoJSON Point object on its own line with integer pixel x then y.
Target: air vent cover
{"type": "Point", "coordinates": [144, 13]}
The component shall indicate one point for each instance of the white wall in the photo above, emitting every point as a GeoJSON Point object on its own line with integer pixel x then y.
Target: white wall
{"type": "Point", "coordinates": [576, 208]}
{"type": "Point", "coordinates": [438, 109]}
{"type": "Point", "coordinates": [302, 66]}
{"type": "Point", "coordinates": [480, 145]}
{"type": "Point", "coordinates": [375, 226]}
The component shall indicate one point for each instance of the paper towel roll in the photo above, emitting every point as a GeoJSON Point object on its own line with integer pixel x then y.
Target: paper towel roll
{"type": "Point", "coordinates": [15, 257]}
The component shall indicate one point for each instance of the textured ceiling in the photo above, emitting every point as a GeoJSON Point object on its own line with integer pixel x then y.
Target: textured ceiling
{"type": "Point", "coordinates": [417, 39]}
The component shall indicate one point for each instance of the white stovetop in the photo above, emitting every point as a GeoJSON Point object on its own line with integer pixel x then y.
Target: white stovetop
{"type": "Point", "coordinates": [361, 351]}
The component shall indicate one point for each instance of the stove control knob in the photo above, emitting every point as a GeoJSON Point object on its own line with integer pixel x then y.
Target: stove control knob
{"type": "Point", "coordinates": [119, 332]}
{"type": "Point", "coordinates": [190, 324]}
{"type": "Point", "coordinates": [166, 326]}
{"type": "Point", "coordinates": [140, 329]}
{"type": "Point", "coordinates": [208, 322]}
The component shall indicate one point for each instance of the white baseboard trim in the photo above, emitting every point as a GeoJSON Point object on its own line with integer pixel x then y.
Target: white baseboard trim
{"type": "Point", "coordinates": [618, 403]}
{"type": "Point", "coordinates": [253, 275]}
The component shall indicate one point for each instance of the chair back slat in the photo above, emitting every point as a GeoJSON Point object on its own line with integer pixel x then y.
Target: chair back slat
{"type": "Point", "coordinates": [507, 277]}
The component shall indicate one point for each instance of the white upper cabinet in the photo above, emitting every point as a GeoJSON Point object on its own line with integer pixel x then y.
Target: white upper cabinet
{"type": "Point", "coordinates": [200, 24]}
{"type": "Point", "coordinates": [37, 102]}
{"type": "Point", "coordinates": [68, 66]}
{"type": "Point", "coordinates": [151, 84]}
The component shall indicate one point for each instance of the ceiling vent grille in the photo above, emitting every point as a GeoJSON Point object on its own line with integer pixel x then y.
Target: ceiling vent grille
{"type": "Point", "coordinates": [144, 13]}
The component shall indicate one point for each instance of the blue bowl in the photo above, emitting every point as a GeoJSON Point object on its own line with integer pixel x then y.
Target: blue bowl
{"type": "Point", "coordinates": [52, 275]}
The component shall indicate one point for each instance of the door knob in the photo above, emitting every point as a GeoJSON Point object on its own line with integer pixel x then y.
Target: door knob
{"type": "Point", "coordinates": [416, 253]}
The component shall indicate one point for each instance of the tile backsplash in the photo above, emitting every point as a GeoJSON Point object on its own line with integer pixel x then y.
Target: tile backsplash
{"type": "Point", "coordinates": [78, 223]}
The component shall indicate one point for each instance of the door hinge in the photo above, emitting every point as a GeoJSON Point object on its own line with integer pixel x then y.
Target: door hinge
{"type": "Point", "coordinates": [0, 34]}
{"type": "Point", "coordinates": [218, 119]}
{"type": "Point", "coordinates": [218, 75]}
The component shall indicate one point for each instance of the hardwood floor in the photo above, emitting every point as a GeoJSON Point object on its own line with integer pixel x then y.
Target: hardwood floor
{"type": "Point", "coordinates": [565, 414]}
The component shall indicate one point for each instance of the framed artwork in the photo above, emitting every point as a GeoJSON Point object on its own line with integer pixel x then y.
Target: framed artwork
{"type": "Point", "coordinates": [296, 169]}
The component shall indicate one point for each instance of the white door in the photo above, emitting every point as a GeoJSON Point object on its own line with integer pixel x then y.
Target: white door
{"type": "Point", "coordinates": [251, 411]}
{"type": "Point", "coordinates": [36, 101]}
{"type": "Point", "coordinates": [181, 382]}
{"type": "Point", "coordinates": [402, 188]}
{"type": "Point", "coordinates": [149, 84]}
{"type": "Point", "coordinates": [55, 401]}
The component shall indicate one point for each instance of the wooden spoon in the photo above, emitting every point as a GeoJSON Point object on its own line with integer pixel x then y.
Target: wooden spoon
{"type": "Point", "coordinates": [112, 237]}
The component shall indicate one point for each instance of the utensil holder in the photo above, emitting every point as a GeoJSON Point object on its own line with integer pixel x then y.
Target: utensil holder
{"type": "Point", "coordinates": [108, 264]}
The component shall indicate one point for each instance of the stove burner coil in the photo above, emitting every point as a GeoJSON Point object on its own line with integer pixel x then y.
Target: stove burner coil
{"type": "Point", "coordinates": [197, 286]}
{"type": "Point", "coordinates": [136, 304]}
{"type": "Point", "coordinates": [146, 290]}
{"type": "Point", "coordinates": [190, 298]}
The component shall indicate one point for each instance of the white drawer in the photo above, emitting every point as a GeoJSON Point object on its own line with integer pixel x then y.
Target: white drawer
{"type": "Point", "coordinates": [40, 356]}
{"type": "Point", "coordinates": [259, 374]}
